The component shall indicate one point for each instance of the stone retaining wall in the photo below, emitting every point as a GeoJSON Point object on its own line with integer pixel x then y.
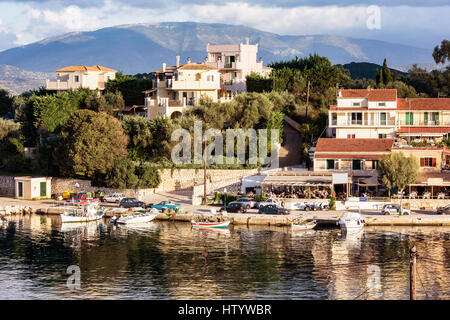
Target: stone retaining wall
{"type": "Point", "coordinates": [423, 204]}
{"type": "Point", "coordinates": [171, 180]}
{"type": "Point", "coordinates": [6, 186]}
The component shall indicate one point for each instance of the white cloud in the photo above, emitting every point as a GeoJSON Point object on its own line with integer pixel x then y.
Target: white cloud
{"type": "Point", "coordinates": [299, 20]}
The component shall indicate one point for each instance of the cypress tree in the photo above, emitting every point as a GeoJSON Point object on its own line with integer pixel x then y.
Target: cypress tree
{"type": "Point", "coordinates": [387, 77]}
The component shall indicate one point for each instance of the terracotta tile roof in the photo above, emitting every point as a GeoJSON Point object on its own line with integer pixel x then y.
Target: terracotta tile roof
{"type": "Point", "coordinates": [348, 156]}
{"type": "Point", "coordinates": [370, 94]}
{"type": "Point", "coordinates": [188, 66]}
{"type": "Point", "coordinates": [423, 104]}
{"type": "Point", "coordinates": [84, 68]}
{"type": "Point", "coordinates": [334, 145]}
{"type": "Point", "coordinates": [424, 175]}
{"type": "Point", "coordinates": [196, 66]}
{"type": "Point", "coordinates": [423, 130]}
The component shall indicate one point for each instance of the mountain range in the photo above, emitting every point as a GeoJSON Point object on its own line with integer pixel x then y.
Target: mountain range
{"type": "Point", "coordinates": [138, 48]}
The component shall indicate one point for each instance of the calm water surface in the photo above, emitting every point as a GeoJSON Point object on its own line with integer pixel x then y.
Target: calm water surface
{"type": "Point", "coordinates": [162, 260]}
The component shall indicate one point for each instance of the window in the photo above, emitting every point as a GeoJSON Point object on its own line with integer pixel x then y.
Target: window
{"type": "Point", "coordinates": [374, 164]}
{"type": "Point", "coordinates": [356, 104]}
{"type": "Point", "coordinates": [428, 162]}
{"type": "Point", "coordinates": [76, 78]}
{"type": "Point", "coordinates": [382, 136]}
{"type": "Point", "coordinates": [409, 118]}
{"type": "Point", "coordinates": [356, 165]}
{"type": "Point", "coordinates": [356, 117]}
{"type": "Point", "coordinates": [350, 136]}
{"type": "Point", "coordinates": [383, 118]}
{"type": "Point", "coordinates": [330, 164]}
{"type": "Point", "coordinates": [382, 104]}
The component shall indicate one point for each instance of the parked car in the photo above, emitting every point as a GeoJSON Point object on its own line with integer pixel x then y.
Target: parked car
{"type": "Point", "coordinates": [267, 202]}
{"type": "Point", "coordinates": [115, 197]}
{"type": "Point", "coordinates": [82, 197]}
{"type": "Point", "coordinates": [248, 202]}
{"type": "Point", "coordinates": [166, 205]}
{"type": "Point", "coordinates": [392, 208]}
{"type": "Point", "coordinates": [273, 209]}
{"type": "Point", "coordinates": [131, 203]}
{"type": "Point", "coordinates": [443, 210]}
{"type": "Point", "coordinates": [235, 207]}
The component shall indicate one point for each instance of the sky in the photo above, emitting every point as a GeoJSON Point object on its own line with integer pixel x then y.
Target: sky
{"type": "Point", "coordinates": [420, 23]}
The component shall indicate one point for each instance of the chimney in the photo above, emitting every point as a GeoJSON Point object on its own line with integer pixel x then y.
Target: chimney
{"type": "Point", "coordinates": [164, 67]}
{"type": "Point", "coordinates": [247, 41]}
{"type": "Point", "coordinates": [178, 61]}
{"type": "Point", "coordinates": [189, 60]}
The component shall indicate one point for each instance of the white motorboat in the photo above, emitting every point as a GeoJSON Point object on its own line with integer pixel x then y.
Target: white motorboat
{"type": "Point", "coordinates": [83, 214]}
{"type": "Point", "coordinates": [303, 225]}
{"type": "Point", "coordinates": [140, 216]}
{"type": "Point", "coordinates": [351, 222]}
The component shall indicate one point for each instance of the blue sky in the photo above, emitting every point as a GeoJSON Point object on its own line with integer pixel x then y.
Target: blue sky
{"type": "Point", "coordinates": [419, 23]}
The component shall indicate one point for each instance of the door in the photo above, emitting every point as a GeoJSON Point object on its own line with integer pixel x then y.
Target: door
{"type": "Point", "coordinates": [383, 118]}
{"type": "Point", "coordinates": [43, 189]}
{"type": "Point", "coordinates": [20, 189]}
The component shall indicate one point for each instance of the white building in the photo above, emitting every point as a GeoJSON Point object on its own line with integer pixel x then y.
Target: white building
{"type": "Point", "coordinates": [364, 113]}
{"type": "Point", "coordinates": [235, 62]}
{"type": "Point", "coordinates": [180, 86]}
{"type": "Point", "coordinates": [74, 77]}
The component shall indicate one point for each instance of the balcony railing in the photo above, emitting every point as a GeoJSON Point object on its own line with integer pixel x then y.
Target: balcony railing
{"type": "Point", "coordinates": [387, 123]}
{"type": "Point", "coordinates": [423, 123]}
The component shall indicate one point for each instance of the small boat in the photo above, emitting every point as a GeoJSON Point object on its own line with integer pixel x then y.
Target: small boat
{"type": "Point", "coordinates": [83, 214]}
{"type": "Point", "coordinates": [140, 216]}
{"type": "Point", "coordinates": [207, 224]}
{"type": "Point", "coordinates": [303, 225]}
{"type": "Point", "coordinates": [351, 222]}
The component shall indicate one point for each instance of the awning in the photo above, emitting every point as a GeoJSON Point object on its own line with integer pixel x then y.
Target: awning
{"type": "Point", "coordinates": [297, 180]}
{"type": "Point", "coordinates": [369, 182]}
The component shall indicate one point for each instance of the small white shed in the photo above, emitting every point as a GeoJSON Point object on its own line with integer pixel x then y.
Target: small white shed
{"type": "Point", "coordinates": [29, 188]}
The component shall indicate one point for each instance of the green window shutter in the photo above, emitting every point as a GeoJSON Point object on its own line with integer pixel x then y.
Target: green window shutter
{"type": "Point", "coordinates": [425, 117]}
{"type": "Point", "coordinates": [43, 189]}
{"type": "Point", "coordinates": [436, 117]}
{"type": "Point", "coordinates": [409, 118]}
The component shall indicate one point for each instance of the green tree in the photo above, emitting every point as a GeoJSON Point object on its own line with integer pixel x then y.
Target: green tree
{"type": "Point", "coordinates": [8, 127]}
{"type": "Point", "coordinates": [92, 142]}
{"type": "Point", "coordinates": [130, 87]}
{"type": "Point", "coordinates": [398, 171]}
{"type": "Point", "coordinates": [386, 72]}
{"type": "Point", "coordinates": [6, 104]}
{"type": "Point", "coordinates": [122, 175]}
{"type": "Point", "coordinates": [110, 102]}
{"type": "Point", "coordinates": [148, 176]}
{"type": "Point", "coordinates": [442, 53]}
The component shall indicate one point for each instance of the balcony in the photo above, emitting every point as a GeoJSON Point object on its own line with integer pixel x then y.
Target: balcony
{"type": "Point", "coordinates": [359, 123]}
{"type": "Point", "coordinates": [60, 85]}
{"type": "Point", "coordinates": [428, 123]}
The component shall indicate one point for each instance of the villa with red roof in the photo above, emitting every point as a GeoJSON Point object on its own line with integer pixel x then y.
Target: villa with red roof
{"type": "Point", "coordinates": [74, 77]}
{"type": "Point", "coordinates": [378, 113]}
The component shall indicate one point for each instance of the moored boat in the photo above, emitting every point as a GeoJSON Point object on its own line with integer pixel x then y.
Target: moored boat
{"type": "Point", "coordinates": [302, 225]}
{"type": "Point", "coordinates": [207, 224]}
{"type": "Point", "coordinates": [83, 214]}
{"type": "Point", "coordinates": [351, 222]}
{"type": "Point", "coordinates": [140, 216]}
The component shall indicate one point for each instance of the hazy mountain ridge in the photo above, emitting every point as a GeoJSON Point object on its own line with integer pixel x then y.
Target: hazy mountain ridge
{"type": "Point", "coordinates": [16, 80]}
{"type": "Point", "coordinates": [137, 48]}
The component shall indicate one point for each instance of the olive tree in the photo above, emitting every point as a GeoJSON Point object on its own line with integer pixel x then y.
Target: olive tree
{"type": "Point", "coordinates": [91, 142]}
{"type": "Point", "coordinates": [398, 171]}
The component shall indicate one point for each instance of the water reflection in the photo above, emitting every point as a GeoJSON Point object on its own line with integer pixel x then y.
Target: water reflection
{"type": "Point", "coordinates": [161, 260]}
